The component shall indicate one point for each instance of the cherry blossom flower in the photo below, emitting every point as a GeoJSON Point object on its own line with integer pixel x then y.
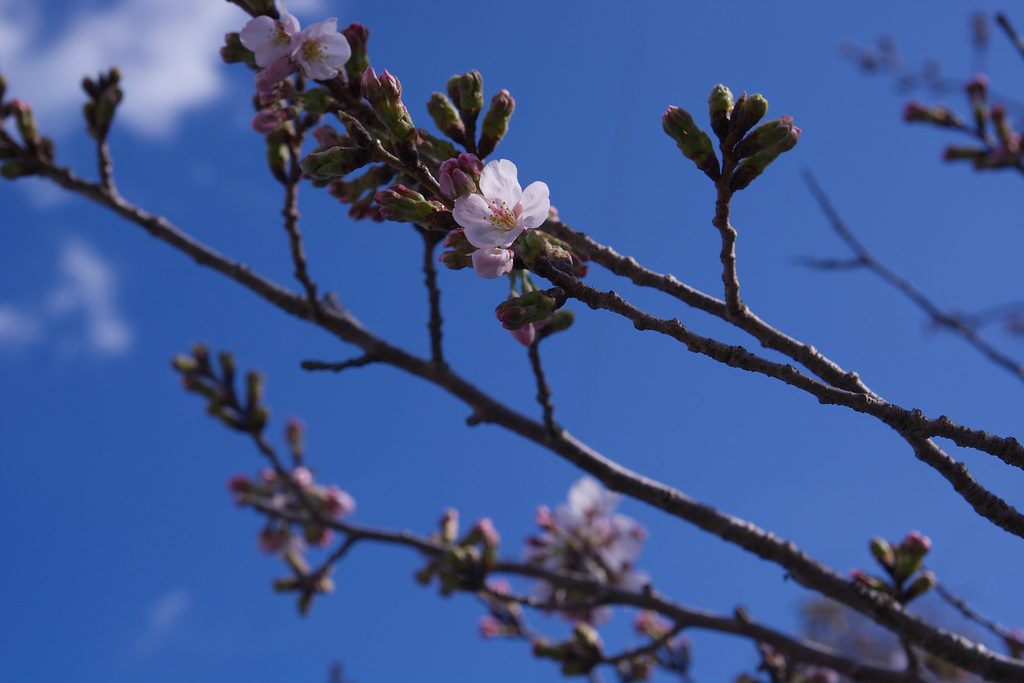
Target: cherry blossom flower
{"type": "Point", "coordinates": [321, 50]}
{"type": "Point", "coordinates": [269, 38]}
{"type": "Point", "coordinates": [583, 536]}
{"type": "Point", "coordinates": [495, 218]}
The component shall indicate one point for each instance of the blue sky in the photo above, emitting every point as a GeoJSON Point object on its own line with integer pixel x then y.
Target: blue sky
{"type": "Point", "coordinates": [125, 559]}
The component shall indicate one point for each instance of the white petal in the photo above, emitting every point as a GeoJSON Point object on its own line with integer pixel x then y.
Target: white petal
{"type": "Point", "coordinates": [492, 263]}
{"type": "Point", "coordinates": [535, 205]}
{"type": "Point", "coordinates": [500, 180]}
{"type": "Point", "coordinates": [473, 212]}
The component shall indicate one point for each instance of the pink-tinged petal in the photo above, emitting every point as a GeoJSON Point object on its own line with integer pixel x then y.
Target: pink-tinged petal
{"type": "Point", "coordinates": [321, 50]}
{"type": "Point", "coordinates": [477, 216]}
{"type": "Point", "coordinates": [269, 39]}
{"type": "Point", "coordinates": [500, 180]}
{"type": "Point", "coordinates": [492, 263]}
{"type": "Point", "coordinates": [272, 74]}
{"type": "Point", "coordinates": [535, 205]}
{"type": "Point", "coordinates": [526, 335]}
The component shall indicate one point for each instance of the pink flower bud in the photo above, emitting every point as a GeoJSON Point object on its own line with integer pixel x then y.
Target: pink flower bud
{"type": "Point", "coordinates": [302, 477]}
{"type": "Point", "coordinates": [490, 626]}
{"type": "Point", "coordinates": [337, 503]}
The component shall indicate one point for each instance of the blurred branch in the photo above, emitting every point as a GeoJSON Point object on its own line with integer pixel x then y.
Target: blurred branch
{"type": "Point", "coordinates": [954, 323]}
{"type": "Point", "coordinates": [1014, 37]}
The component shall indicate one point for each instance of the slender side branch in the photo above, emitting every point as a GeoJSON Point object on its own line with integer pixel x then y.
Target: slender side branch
{"type": "Point", "coordinates": [430, 240]}
{"type": "Point", "coordinates": [1014, 37]}
{"type": "Point", "coordinates": [626, 266]}
{"type": "Point", "coordinates": [543, 392]}
{"type": "Point", "coordinates": [291, 224]}
{"type": "Point", "coordinates": [807, 572]}
{"type": "Point", "coordinates": [338, 367]}
{"type": "Point", "coordinates": [950, 322]}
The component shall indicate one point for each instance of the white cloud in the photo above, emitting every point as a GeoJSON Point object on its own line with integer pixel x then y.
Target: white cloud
{"type": "Point", "coordinates": [85, 290]}
{"type": "Point", "coordinates": [164, 616]}
{"type": "Point", "coordinates": [168, 51]}
{"type": "Point", "coordinates": [18, 328]}
{"type": "Point", "coordinates": [88, 285]}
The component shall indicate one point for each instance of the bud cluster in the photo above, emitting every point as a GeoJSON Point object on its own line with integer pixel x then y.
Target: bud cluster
{"type": "Point", "coordinates": [399, 203]}
{"type": "Point", "coordinates": [531, 307]}
{"type": "Point", "coordinates": [745, 156]}
{"type": "Point", "coordinates": [456, 113]}
{"type": "Point", "coordinates": [1001, 151]}
{"type": "Point", "coordinates": [465, 563]}
{"type": "Point", "coordinates": [200, 377]}
{"type": "Point", "coordinates": [901, 562]}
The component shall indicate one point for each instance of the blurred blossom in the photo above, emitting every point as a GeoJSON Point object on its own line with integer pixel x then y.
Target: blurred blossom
{"type": "Point", "coordinates": [582, 536]}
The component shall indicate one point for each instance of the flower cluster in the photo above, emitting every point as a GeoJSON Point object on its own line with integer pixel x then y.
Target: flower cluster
{"type": "Point", "coordinates": [280, 46]}
{"type": "Point", "coordinates": [287, 496]}
{"type": "Point", "coordinates": [583, 537]}
{"type": "Point", "coordinates": [494, 212]}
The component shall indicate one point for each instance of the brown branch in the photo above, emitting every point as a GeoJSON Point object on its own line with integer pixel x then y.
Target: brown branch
{"type": "Point", "coordinates": [430, 240]}
{"type": "Point", "coordinates": [626, 266]}
{"type": "Point", "coordinates": [338, 367]}
{"type": "Point", "coordinates": [543, 392]}
{"type": "Point", "coordinates": [1014, 37]}
{"type": "Point", "coordinates": [803, 569]}
{"type": "Point", "coordinates": [940, 319]}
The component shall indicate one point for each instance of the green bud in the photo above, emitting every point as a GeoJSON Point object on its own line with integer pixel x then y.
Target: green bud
{"type": "Point", "coordinates": [253, 388]}
{"type": "Point", "coordinates": [561, 319]}
{"type": "Point", "coordinates": [285, 585]}
{"type": "Point", "coordinates": [357, 36]}
{"type": "Point", "coordinates": [748, 111]}
{"type": "Point", "coordinates": [753, 166]}
{"type": "Point", "coordinates": [424, 575]}
{"type": "Point", "coordinates": [355, 130]}
{"type": "Point", "coordinates": [435, 147]}
{"type": "Point", "coordinates": [318, 101]}
{"type": "Point", "coordinates": [446, 117]}
{"type": "Point", "coordinates": [336, 162]}
{"type": "Point", "coordinates": [883, 552]}
{"type": "Point", "coordinates": [201, 353]}
{"type": "Point", "coordinates": [471, 92]}
{"type": "Point", "coordinates": [233, 51]}
{"type": "Point", "coordinates": [455, 261]}
{"type": "Point", "coordinates": [532, 307]}
{"type": "Point", "coordinates": [453, 89]}
{"type": "Point", "coordinates": [227, 364]}
{"type": "Point", "coordinates": [694, 143]}
{"type": "Point", "coordinates": [277, 156]}
{"type": "Point", "coordinates": [720, 104]}
{"type": "Point", "coordinates": [305, 602]}
{"type": "Point", "coordinates": [495, 124]}
{"type": "Point", "coordinates": [15, 169]}
{"type": "Point", "coordinates": [920, 586]}
{"type": "Point", "coordinates": [183, 363]}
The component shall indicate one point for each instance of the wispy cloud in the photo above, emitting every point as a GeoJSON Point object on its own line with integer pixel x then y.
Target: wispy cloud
{"type": "Point", "coordinates": [86, 291]}
{"type": "Point", "coordinates": [162, 619]}
{"type": "Point", "coordinates": [168, 52]}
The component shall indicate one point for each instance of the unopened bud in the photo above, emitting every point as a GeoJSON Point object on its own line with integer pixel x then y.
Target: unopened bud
{"type": "Point", "coordinates": [183, 363]}
{"type": "Point", "coordinates": [471, 92]}
{"type": "Point", "coordinates": [15, 169]}
{"type": "Point", "coordinates": [446, 117]}
{"type": "Point", "coordinates": [939, 115]}
{"type": "Point", "coordinates": [459, 176]}
{"type": "Point", "coordinates": [399, 203]}
{"type": "Point", "coordinates": [233, 51]}
{"type": "Point", "coordinates": [456, 241]}
{"type": "Point", "coordinates": [254, 387]}
{"type": "Point", "coordinates": [747, 113]}
{"type": "Point", "coordinates": [883, 552]}
{"type": "Point", "coordinates": [532, 307]}
{"type": "Point", "coordinates": [385, 96]}
{"type": "Point", "coordinates": [920, 586]}
{"type": "Point", "coordinates": [720, 106]}
{"type": "Point", "coordinates": [278, 156]}
{"type": "Point", "coordinates": [694, 143]}
{"type": "Point", "coordinates": [449, 524]}
{"type": "Point", "coordinates": [357, 36]}
{"type": "Point", "coordinates": [336, 162]}
{"type": "Point", "coordinates": [754, 165]}
{"type": "Point", "coordinates": [26, 122]}
{"type": "Point", "coordinates": [454, 261]}
{"type": "Point", "coordinates": [495, 124]}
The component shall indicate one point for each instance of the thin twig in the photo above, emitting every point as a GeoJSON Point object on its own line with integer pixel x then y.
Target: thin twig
{"type": "Point", "coordinates": [338, 367]}
{"type": "Point", "coordinates": [977, 617]}
{"type": "Point", "coordinates": [940, 319]}
{"type": "Point", "coordinates": [291, 221]}
{"type": "Point", "coordinates": [543, 392]}
{"type": "Point", "coordinates": [1015, 38]}
{"type": "Point", "coordinates": [430, 240]}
